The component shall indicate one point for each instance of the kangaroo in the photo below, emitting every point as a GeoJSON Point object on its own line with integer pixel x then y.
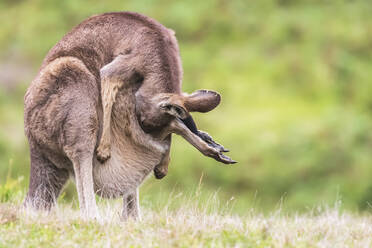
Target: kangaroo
{"type": "Point", "coordinates": [102, 110]}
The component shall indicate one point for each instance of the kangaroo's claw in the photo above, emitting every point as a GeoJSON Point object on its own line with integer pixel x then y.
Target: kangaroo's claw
{"type": "Point", "coordinates": [103, 153]}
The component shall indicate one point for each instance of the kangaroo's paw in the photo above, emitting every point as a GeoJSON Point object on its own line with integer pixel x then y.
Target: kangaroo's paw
{"type": "Point", "coordinates": [103, 153]}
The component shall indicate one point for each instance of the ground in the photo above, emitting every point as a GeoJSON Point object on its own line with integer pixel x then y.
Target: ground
{"type": "Point", "coordinates": [191, 225]}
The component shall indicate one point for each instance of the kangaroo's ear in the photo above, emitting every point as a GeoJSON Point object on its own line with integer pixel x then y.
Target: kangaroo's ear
{"type": "Point", "coordinates": [202, 101]}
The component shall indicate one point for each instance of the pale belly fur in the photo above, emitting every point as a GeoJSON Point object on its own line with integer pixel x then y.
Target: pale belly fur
{"type": "Point", "coordinates": [127, 168]}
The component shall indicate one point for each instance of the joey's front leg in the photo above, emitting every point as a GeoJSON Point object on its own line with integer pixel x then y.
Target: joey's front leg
{"type": "Point", "coordinates": [114, 76]}
{"type": "Point", "coordinates": [161, 170]}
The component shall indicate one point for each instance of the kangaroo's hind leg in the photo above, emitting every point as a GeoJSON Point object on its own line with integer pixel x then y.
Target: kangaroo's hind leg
{"type": "Point", "coordinates": [81, 128]}
{"type": "Point", "coordinates": [62, 114]}
{"type": "Point", "coordinates": [46, 181]}
{"type": "Point", "coordinates": [83, 167]}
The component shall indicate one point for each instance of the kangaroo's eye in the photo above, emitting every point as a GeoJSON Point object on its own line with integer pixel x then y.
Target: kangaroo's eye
{"type": "Point", "coordinates": [178, 110]}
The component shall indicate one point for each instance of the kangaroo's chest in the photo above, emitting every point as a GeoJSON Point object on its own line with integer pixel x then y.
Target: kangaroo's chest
{"type": "Point", "coordinates": [124, 171]}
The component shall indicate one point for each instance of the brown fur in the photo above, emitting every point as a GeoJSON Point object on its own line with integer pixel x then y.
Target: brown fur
{"type": "Point", "coordinates": [113, 84]}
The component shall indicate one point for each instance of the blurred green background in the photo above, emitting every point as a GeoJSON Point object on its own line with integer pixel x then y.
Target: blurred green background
{"type": "Point", "coordinates": [295, 78]}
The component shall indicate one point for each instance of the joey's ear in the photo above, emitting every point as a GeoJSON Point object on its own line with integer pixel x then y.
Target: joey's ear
{"type": "Point", "coordinates": [173, 109]}
{"type": "Point", "coordinates": [202, 101]}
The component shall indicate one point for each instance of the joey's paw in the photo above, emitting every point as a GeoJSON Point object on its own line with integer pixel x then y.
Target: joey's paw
{"type": "Point", "coordinates": [159, 173]}
{"type": "Point", "coordinates": [103, 153]}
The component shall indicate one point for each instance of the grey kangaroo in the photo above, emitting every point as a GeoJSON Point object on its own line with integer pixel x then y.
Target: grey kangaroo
{"type": "Point", "coordinates": [102, 110]}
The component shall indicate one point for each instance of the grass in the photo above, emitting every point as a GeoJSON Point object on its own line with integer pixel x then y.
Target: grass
{"type": "Point", "coordinates": [194, 223]}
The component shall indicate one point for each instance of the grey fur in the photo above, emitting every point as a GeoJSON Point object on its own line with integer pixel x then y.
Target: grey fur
{"type": "Point", "coordinates": [102, 109]}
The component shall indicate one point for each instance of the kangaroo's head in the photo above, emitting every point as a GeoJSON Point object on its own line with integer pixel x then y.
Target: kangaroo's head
{"type": "Point", "coordinates": [162, 108]}
{"type": "Point", "coordinates": [157, 112]}
{"type": "Point", "coordinates": [167, 113]}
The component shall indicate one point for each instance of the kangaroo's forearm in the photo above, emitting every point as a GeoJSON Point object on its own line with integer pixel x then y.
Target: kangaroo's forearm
{"type": "Point", "coordinates": [113, 77]}
{"type": "Point", "coordinates": [109, 89]}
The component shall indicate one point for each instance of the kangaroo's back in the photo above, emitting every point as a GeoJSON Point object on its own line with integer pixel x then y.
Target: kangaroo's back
{"type": "Point", "coordinates": [99, 39]}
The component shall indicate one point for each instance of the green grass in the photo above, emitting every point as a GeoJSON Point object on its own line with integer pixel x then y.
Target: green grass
{"type": "Point", "coordinates": [188, 226]}
{"type": "Point", "coordinates": [183, 221]}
